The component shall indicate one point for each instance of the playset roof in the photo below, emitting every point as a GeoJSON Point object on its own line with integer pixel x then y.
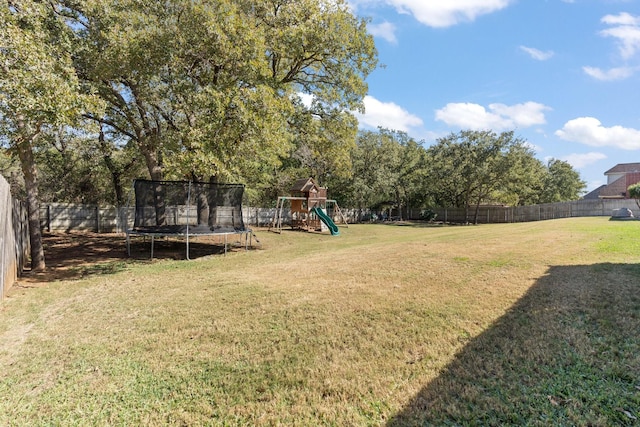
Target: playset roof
{"type": "Point", "coordinates": [305, 185]}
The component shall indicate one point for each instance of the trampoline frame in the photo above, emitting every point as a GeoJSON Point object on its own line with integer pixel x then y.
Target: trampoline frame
{"type": "Point", "coordinates": [188, 231]}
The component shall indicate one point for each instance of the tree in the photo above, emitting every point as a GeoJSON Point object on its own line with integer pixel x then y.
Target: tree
{"type": "Point", "coordinates": [83, 166]}
{"type": "Point", "coordinates": [562, 183]}
{"type": "Point", "coordinates": [525, 180]}
{"type": "Point", "coordinates": [634, 192]}
{"type": "Point", "coordinates": [122, 162]}
{"type": "Point", "coordinates": [10, 169]}
{"type": "Point", "coordinates": [323, 141]}
{"type": "Point", "coordinates": [387, 169]}
{"type": "Point", "coordinates": [209, 88]}
{"type": "Point", "coordinates": [38, 91]}
{"type": "Point", "coordinates": [474, 167]}
{"type": "Point", "coordinates": [364, 187]}
{"type": "Point", "coordinates": [404, 165]}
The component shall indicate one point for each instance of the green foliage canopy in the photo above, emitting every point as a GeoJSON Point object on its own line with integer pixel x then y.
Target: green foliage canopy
{"type": "Point", "coordinates": [474, 167]}
{"type": "Point", "coordinates": [38, 90]}
{"type": "Point", "coordinates": [210, 88]}
{"type": "Point", "coordinates": [562, 182]}
{"type": "Point", "coordinates": [634, 193]}
{"type": "Point", "coordinates": [388, 168]}
{"type": "Point", "coordinates": [470, 167]}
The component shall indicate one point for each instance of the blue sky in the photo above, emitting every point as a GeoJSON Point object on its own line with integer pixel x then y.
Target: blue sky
{"type": "Point", "coordinates": [563, 74]}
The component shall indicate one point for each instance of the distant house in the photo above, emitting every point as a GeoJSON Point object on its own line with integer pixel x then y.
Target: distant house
{"type": "Point", "coordinates": [619, 178]}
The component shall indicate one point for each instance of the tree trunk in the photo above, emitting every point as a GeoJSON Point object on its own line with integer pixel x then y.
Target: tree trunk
{"type": "Point", "coordinates": [202, 204]}
{"type": "Point", "coordinates": [113, 169]}
{"type": "Point", "coordinates": [399, 204]}
{"type": "Point", "coordinates": [25, 153]}
{"type": "Point", "coordinates": [476, 213]}
{"type": "Point", "coordinates": [155, 172]}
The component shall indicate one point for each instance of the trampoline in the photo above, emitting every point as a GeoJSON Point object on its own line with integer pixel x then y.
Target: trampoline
{"type": "Point", "coordinates": [188, 209]}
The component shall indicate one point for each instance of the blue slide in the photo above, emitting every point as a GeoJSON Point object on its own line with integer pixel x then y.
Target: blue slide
{"type": "Point", "coordinates": [333, 228]}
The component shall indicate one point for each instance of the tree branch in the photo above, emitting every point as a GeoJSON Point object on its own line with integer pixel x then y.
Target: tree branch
{"type": "Point", "coordinates": [110, 123]}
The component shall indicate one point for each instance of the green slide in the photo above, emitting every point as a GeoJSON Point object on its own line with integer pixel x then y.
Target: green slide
{"type": "Point", "coordinates": [333, 228]}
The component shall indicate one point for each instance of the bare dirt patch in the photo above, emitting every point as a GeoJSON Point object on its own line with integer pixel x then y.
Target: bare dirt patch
{"type": "Point", "coordinates": [72, 256]}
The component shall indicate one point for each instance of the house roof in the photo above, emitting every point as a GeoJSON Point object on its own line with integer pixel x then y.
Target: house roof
{"type": "Point", "coordinates": [617, 189]}
{"type": "Point", "coordinates": [595, 194]}
{"type": "Point", "coordinates": [624, 168]}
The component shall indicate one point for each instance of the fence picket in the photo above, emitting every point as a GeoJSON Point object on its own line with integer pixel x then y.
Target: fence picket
{"type": "Point", "coordinates": [14, 239]}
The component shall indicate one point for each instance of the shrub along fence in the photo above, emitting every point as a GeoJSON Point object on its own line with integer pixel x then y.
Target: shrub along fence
{"type": "Point", "coordinates": [14, 238]}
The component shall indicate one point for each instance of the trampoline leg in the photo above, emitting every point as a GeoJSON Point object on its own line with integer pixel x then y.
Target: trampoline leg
{"type": "Point", "coordinates": [152, 243]}
{"type": "Point", "coordinates": [225, 245]}
{"type": "Point", "coordinates": [128, 245]}
{"type": "Point", "coordinates": [188, 259]}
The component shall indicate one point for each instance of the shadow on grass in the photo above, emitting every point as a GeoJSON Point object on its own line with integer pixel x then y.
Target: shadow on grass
{"type": "Point", "coordinates": [412, 223]}
{"type": "Point", "coordinates": [71, 256]}
{"type": "Point", "coordinates": [176, 248]}
{"type": "Point", "coordinates": [567, 353]}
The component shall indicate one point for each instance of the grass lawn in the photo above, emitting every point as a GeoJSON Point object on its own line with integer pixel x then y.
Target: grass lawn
{"type": "Point", "coordinates": [511, 324]}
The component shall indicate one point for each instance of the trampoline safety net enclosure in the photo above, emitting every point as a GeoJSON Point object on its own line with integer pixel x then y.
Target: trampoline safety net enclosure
{"type": "Point", "coordinates": [187, 209]}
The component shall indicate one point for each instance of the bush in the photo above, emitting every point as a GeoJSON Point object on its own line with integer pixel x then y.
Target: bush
{"type": "Point", "coordinates": [634, 192]}
{"type": "Point", "coordinates": [428, 215]}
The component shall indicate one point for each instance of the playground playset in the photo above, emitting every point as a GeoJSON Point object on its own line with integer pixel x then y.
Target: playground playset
{"type": "Point", "coordinates": [309, 208]}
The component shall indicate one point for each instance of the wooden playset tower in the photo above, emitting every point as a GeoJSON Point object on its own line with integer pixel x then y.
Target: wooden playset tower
{"type": "Point", "coordinates": [309, 204]}
{"type": "Point", "coordinates": [305, 195]}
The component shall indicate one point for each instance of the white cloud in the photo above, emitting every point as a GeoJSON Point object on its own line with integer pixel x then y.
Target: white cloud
{"type": "Point", "coordinates": [619, 73]}
{"type": "Point", "coordinates": [579, 161]}
{"type": "Point", "coordinates": [589, 131]}
{"type": "Point", "coordinates": [626, 31]}
{"type": "Point", "coordinates": [623, 19]}
{"type": "Point", "coordinates": [441, 13]}
{"type": "Point", "coordinates": [387, 115]}
{"type": "Point", "coordinates": [498, 117]}
{"type": "Point", "coordinates": [386, 30]}
{"type": "Point", "coordinates": [537, 54]}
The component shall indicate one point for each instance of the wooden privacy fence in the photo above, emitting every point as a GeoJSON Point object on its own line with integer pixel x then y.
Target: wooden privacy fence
{"type": "Point", "coordinates": [500, 214]}
{"type": "Point", "coordinates": [14, 238]}
{"type": "Point", "coordinates": [73, 217]}
{"type": "Point", "coordinates": [68, 217]}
